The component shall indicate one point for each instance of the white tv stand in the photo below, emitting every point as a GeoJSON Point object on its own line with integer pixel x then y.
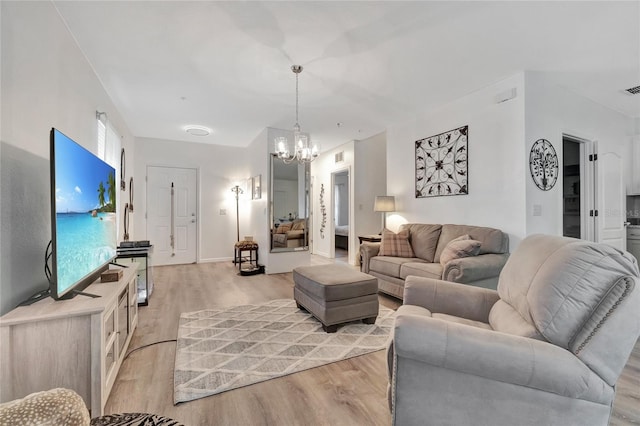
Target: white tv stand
{"type": "Point", "coordinates": [77, 344]}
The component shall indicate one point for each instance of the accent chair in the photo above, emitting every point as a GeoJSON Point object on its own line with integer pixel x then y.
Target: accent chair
{"type": "Point", "coordinates": [545, 348]}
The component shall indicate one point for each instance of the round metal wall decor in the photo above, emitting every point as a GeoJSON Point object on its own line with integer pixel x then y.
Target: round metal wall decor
{"type": "Point", "coordinates": [543, 164]}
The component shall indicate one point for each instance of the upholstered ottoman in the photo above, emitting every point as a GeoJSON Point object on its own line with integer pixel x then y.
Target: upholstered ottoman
{"type": "Point", "coordinates": [336, 294]}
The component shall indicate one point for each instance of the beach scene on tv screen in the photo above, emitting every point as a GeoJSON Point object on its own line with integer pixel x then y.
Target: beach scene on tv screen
{"type": "Point", "coordinates": [85, 192]}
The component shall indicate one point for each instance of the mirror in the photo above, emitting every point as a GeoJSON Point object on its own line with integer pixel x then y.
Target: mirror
{"type": "Point", "coordinates": [289, 212]}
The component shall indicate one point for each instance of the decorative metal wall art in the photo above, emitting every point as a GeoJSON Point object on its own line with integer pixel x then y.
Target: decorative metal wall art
{"type": "Point", "coordinates": [441, 164]}
{"type": "Point", "coordinates": [323, 211]}
{"type": "Point", "coordinates": [543, 164]}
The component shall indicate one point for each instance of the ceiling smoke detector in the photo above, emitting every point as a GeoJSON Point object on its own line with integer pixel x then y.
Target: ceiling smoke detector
{"type": "Point", "coordinates": [634, 90]}
{"type": "Point", "coordinates": [197, 130]}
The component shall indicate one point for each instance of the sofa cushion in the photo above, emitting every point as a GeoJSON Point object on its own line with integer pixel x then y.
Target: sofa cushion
{"type": "Point", "coordinates": [423, 239]}
{"type": "Point", "coordinates": [395, 244]}
{"type": "Point", "coordinates": [493, 240]}
{"type": "Point", "coordinates": [283, 229]}
{"type": "Point", "coordinates": [458, 248]}
{"type": "Point", "coordinates": [297, 225]}
{"type": "Point", "coordinates": [505, 319]}
{"type": "Point", "coordinates": [389, 265]}
{"type": "Point", "coordinates": [421, 269]}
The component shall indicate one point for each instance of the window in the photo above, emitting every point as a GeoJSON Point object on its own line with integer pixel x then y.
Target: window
{"type": "Point", "coordinates": [109, 144]}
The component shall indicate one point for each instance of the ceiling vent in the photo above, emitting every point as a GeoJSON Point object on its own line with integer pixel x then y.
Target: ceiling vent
{"type": "Point", "coordinates": [634, 90]}
{"type": "Point", "coordinates": [340, 157]}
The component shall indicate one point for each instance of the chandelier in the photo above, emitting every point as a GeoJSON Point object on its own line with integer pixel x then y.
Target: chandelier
{"type": "Point", "coordinates": [303, 150]}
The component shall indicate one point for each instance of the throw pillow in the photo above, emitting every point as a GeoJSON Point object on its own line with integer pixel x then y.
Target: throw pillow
{"type": "Point", "coordinates": [297, 225]}
{"type": "Point", "coordinates": [282, 229]}
{"type": "Point", "coordinates": [458, 248]}
{"type": "Point", "coordinates": [395, 244]}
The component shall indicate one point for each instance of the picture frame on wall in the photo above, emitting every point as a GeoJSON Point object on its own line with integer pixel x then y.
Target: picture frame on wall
{"type": "Point", "coordinates": [442, 164]}
{"type": "Point", "coordinates": [256, 190]}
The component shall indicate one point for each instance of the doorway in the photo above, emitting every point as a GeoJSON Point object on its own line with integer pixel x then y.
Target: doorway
{"type": "Point", "coordinates": [571, 187]}
{"type": "Point", "coordinates": [171, 214]}
{"type": "Point", "coordinates": [341, 214]}
{"type": "Point", "coordinates": [593, 193]}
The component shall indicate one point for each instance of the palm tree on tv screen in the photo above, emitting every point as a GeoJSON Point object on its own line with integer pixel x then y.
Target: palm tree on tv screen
{"type": "Point", "coordinates": [111, 182]}
{"type": "Point", "coordinates": [101, 199]}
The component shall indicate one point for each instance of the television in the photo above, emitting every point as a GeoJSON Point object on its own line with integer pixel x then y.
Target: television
{"type": "Point", "coordinates": [83, 217]}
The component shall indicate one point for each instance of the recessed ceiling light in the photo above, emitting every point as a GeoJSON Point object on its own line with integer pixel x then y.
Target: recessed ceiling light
{"type": "Point", "coordinates": [197, 130]}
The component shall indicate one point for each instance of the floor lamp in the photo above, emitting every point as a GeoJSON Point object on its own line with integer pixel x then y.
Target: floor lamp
{"type": "Point", "coordinates": [237, 190]}
{"type": "Point", "coordinates": [384, 204]}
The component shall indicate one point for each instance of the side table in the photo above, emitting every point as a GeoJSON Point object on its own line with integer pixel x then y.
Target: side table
{"type": "Point", "coordinates": [251, 266]}
{"type": "Point", "coordinates": [374, 238]}
{"type": "Point", "coordinates": [140, 257]}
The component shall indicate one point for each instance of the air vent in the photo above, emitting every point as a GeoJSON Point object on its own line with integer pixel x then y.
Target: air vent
{"type": "Point", "coordinates": [634, 90]}
{"type": "Point", "coordinates": [340, 157]}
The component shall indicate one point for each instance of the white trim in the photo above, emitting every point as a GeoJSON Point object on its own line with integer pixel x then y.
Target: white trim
{"type": "Point", "coordinates": [216, 260]}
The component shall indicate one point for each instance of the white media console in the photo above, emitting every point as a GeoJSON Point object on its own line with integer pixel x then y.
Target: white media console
{"type": "Point", "coordinates": [77, 344]}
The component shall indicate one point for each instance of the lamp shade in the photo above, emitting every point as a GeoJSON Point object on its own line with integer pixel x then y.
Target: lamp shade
{"type": "Point", "coordinates": [384, 203]}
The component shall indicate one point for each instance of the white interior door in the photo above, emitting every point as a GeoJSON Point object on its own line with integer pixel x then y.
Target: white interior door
{"type": "Point", "coordinates": [171, 214]}
{"type": "Point", "coordinates": [611, 201]}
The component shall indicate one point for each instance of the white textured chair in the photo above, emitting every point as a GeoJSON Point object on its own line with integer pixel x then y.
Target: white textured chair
{"type": "Point", "coordinates": [546, 348]}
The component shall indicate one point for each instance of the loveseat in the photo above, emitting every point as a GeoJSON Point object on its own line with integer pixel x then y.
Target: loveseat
{"type": "Point", "coordinates": [291, 234]}
{"type": "Point", "coordinates": [427, 244]}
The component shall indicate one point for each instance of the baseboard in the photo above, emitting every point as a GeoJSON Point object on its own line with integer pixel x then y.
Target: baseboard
{"type": "Point", "coordinates": [323, 254]}
{"type": "Point", "coordinates": [216, 259]}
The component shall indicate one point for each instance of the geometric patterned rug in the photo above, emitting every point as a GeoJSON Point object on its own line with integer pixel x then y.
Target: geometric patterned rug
{"type": "Point", "coordinates": [221, 349]}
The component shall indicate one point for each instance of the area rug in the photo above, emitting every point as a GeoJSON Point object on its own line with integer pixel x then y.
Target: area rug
{"type": "Point", "coordinates": [227, 348]}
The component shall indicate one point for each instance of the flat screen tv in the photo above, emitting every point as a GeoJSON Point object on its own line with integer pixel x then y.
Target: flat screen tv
{"type": "Point", "coordinates": [83, 216]}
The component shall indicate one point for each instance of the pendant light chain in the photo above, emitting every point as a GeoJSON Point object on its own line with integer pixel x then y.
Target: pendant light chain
{"type": "Point", "coordinates": [297, 126]}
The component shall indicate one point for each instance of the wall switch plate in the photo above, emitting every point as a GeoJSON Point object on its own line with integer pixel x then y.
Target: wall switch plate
{"type": "Point", "coordinates": [537, 209]}
{"type": "Point", "coordinates": [223, 212]}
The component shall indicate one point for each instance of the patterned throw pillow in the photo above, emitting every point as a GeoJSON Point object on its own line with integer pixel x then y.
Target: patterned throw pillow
{"type": "Point", "coordinates": [458, 248]}
{"type": "Point", "coordinates": [395, 244]}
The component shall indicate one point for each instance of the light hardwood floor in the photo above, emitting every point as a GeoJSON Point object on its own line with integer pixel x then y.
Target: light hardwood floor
{"type": "Point", "coordinates": [351, 392]}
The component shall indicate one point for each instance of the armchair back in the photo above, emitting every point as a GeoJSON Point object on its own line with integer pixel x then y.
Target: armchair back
{"type": "Point", "coordinates": [577, 295]}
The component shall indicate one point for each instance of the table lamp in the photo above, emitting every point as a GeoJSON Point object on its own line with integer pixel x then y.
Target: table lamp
{"type": "Point", "coordinates": [384, 204]}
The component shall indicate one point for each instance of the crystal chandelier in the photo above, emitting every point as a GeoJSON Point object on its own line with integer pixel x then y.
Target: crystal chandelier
{"type": "Point", "coordinates": [303, 151]}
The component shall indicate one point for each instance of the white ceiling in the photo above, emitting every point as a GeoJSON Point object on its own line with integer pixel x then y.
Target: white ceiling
{"type": "Point", "coordinates": [226, 65]}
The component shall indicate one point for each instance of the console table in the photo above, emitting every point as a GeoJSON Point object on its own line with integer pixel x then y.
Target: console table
{"type": "Point", "coordinates": [77, 343]}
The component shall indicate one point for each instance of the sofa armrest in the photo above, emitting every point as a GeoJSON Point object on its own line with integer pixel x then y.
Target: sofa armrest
{"type": "Point", "coordinates": [497, 356]}
{"type": "Point", "coordinates": [58, 406]}
{"type": "Point", "coordinates": [445, 297]}
{"type": "Point", "coordinates": [367, 251]}
{"type": "Point", "coordinates": [475, 268]}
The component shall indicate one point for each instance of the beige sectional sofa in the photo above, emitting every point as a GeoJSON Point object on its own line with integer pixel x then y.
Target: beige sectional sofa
{"type": "Point", "coordinates": [428, 241]}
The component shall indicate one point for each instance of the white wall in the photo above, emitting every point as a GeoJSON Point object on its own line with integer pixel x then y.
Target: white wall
{"type": "Point", "coordinates": [321, 170]}
{"type": "Point", "coordinates": [552, 111]}
{"type": "Point", "coordinates": [365, 160]}
{"type": "Point", "coordinates": [219, 169]}
{"type": "Point", "coordinates": [370, 177]}
{"type": "Point", "coordinates": [496, 162]}
{"type": "Point", "coordinates": [46, 82]}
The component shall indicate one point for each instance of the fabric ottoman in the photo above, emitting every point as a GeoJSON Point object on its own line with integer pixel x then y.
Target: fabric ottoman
{"type": "Point", "coordinates": [336, 294]}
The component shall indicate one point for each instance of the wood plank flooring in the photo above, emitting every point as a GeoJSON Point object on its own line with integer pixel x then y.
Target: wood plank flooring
{"type": "Point", "coordinates": [351, 392]}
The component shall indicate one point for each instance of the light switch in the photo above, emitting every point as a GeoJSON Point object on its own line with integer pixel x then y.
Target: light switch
{"type": "Point", "coordinates": [537, 209]}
